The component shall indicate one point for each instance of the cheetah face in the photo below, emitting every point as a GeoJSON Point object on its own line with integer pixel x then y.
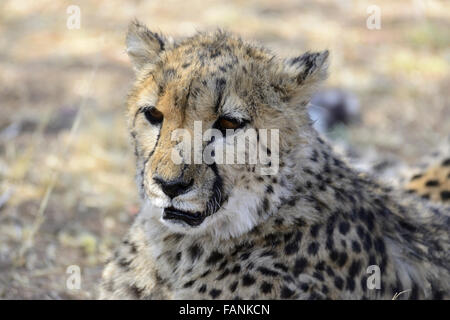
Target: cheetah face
{"type": "Point", "coordinates": [194, 99]}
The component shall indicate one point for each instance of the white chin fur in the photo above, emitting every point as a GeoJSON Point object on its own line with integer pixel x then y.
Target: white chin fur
{"type": "Point", "coordinates": [237, 216]}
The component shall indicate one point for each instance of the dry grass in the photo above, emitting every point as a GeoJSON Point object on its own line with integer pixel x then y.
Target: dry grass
{"type": "Point", "coordinates": [66, 169]}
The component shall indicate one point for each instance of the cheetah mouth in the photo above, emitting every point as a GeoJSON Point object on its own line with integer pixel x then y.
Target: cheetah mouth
{"type": "Point", "coordinates": [192, 219]}
{"type": "Point", "coordinates": [213, 205]}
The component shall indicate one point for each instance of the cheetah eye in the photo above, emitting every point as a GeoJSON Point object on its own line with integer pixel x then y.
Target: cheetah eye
{"type": "Point", "coordinates": [224, 123]}
{"type": "Point", "coordinates": [153, 115]}
{"type": "Point", "coordinates": [228, 123]}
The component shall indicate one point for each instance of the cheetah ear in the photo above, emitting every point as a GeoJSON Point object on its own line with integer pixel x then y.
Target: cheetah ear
{"type": "Point", "coordinates": [309, 67]}
{"type": "Point", "coordinates": [302, 74]}
{"type": "Point", "coordinates": [143, 45]}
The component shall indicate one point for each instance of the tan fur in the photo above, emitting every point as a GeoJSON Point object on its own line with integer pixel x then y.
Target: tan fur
{"type": "Point", "coordinates": [432, 181]}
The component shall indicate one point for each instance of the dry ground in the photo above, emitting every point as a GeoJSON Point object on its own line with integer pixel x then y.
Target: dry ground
{"type": "Point", "coordinates": [67, 192]}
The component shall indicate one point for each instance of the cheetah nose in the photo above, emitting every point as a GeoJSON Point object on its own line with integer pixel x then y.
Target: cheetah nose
{"type": "Point", "coordinates": [173, 188]}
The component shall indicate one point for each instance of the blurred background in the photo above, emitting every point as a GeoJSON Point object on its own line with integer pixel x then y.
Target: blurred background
{"type": "Point", "coordinates": [67, 191]}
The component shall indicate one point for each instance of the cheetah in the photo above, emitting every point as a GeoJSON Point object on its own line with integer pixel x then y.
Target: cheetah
{"type": "Point", "coordinates": [314, 229]}
{"type": "Point", "coordinates": [430, 179]}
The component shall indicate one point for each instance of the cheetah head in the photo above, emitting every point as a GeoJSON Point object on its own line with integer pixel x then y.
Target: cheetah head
{"type": "Point", "coordinates": [195, 98]}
